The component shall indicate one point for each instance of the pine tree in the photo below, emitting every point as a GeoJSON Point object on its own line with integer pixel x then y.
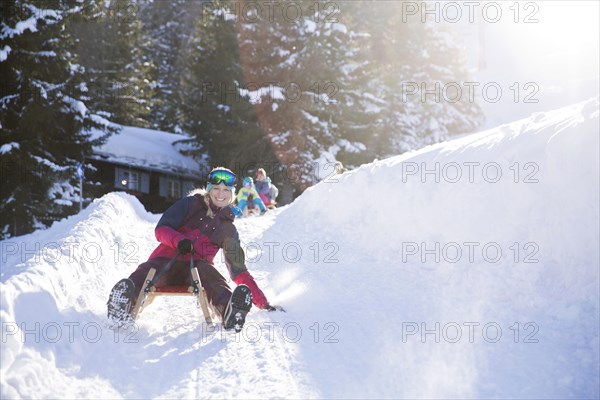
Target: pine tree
{"type": "Point", "coordinates": [336, 61]}
{"type": "Point", "coordinates": [265, 47]}
{"type": "Point", "coordinates": [444, 104]}
{"type": "Point", "coordinates": [294, 93]}
{"type": "Point", "coordinates": [46, 128]}
{"type": "Point", "coordinates": [222, 121]}
{"type": "Point", "coordinates": [386, 108]}
{"type": "Point", "coordinates": [169, 28]}
{"type": "Point", "coordinates": [113, 51]}
{"type": "Point", "coordinates": [289, 57]}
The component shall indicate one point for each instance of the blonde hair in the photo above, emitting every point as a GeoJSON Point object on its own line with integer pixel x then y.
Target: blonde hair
{"type": "Point", "coordinates": [196, 191]}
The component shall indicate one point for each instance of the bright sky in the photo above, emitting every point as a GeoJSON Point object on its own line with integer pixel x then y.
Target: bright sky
{"type": "Point", "coordinates": [557, 34]}
{"type": "Point", "coordinates": [550, 46]}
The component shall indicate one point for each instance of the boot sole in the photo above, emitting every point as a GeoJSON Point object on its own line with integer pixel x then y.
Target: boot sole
{"type": "Point", "coordinates": [237, 308]}
{"type": "Point", "coordinates": [120, 303]}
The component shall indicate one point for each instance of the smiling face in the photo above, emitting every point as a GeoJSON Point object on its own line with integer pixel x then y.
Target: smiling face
{"type": "Point", "coordinates": [220, 195]}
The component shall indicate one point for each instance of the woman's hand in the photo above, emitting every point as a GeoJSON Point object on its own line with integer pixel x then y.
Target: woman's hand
{"type": "Point", "coordinates": [270, 307]}
{"type": "Point", "coordinates": [185, 246]}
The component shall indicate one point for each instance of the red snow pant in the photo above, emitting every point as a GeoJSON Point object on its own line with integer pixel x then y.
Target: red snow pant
{"type": "Point", "coordinates": [265, 199]}
{"type": "Point", "coordinates": [215, 285]}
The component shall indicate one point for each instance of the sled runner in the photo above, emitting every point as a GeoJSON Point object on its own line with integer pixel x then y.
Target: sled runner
{"type": "Point", "coordinates": [251, 209]}
{"type": "Point", "coordinates": [123, 309]}
{"type": "Point", "coordinates": [149, 292]}
{"type": "Point", "coordinates": [254, 210]}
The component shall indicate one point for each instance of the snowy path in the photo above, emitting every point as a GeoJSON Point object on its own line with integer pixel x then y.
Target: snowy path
{"type": "Point", "coordinates": [256, 363]}
{"type": "Point", "coordinates": [84, 358]}
{"type": "Point", "coordinates": [483, 285]}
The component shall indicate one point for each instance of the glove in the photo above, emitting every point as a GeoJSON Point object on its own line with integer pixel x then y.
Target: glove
{"type": "Point", "coordinates": [269, 307]}
{"type": "Point", "coordinates": [184, 246]}
{"type": "Point", "coordinates": [236, 211]}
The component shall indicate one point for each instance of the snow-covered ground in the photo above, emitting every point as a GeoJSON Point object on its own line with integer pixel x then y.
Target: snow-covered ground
{"type": "Point", "coordinates": [467, 269]}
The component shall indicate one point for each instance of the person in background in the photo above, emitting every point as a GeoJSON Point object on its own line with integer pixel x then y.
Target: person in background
{"type": "Point", "coordinates": [339, 168]}
{"type": "Point", "coordinates": [248, 195]}
{"type": "Point", "coordinates": [266, 190]}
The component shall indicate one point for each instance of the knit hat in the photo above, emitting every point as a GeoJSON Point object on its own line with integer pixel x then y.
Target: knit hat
{"type": "Point", "coordinates": [223, 176]}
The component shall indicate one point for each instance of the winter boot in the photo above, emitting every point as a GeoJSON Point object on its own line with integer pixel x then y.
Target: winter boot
{"type": "Point", "coordinates": [237, 308]}
{"type": "Point", "coordinates": [120, 303]}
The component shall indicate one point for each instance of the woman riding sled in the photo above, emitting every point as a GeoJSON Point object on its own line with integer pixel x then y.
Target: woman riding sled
{"type": "Point", "coordinates": [198, 226]}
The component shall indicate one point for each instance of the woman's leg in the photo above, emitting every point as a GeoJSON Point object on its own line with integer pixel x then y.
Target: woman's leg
{"type": "Point", "coordinates": [259, 203]}
{"type": "Point", "coordinates": [217, 289]}
{"type": "Point", "coordinates": [139, 275]}
{"type": "Point", "coordinates": [242, 204]}
{"type": "Point", "coordinates": [265, 199]}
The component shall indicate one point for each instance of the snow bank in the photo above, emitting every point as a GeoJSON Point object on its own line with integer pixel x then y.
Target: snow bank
{"type": "Point", "coordinates": [53, 290]}
{"type": "Point", "coordinates": [466, 269]}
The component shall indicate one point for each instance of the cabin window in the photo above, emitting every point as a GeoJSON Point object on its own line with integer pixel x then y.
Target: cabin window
{"type": "Point", "coordinates": [130, 180]}
{"type": "Point", "coordinates": [173, 189]}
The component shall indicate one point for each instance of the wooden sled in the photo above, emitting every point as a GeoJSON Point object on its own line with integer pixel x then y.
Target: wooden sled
{"type": "Point", "coordinates": [252, 209]}
{"type": "Point", "coordinates": [147, 295]}
{"type": "Point", "coordinates": [251, 212]}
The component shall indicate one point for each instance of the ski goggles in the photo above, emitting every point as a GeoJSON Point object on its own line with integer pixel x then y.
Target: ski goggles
{"type": "Point", "coordinates": [223, 176]}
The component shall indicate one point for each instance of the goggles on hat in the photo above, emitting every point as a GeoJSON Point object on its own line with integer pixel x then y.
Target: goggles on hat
{"type": "Point", "coordinates": [222, 176]}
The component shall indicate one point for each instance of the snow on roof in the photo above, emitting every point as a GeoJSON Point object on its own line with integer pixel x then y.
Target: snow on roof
{"type": "Point", "coordinates": [148, 149]}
